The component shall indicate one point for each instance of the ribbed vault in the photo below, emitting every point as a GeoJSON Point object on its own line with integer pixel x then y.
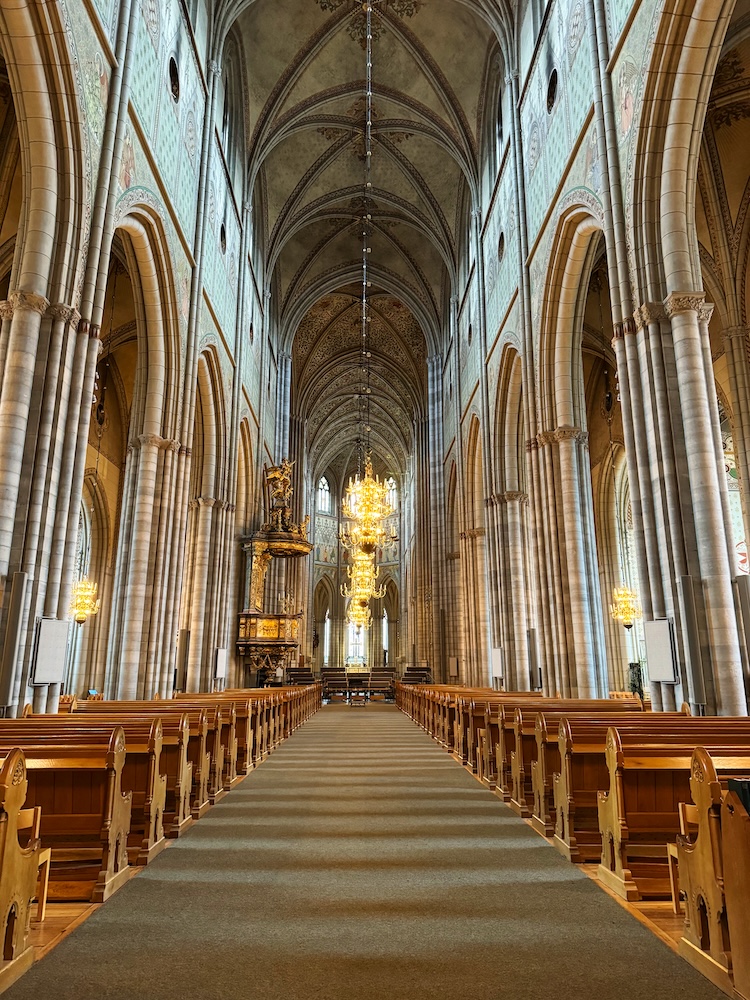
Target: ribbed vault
{"type": "Point", "coordinates": [306, 121]}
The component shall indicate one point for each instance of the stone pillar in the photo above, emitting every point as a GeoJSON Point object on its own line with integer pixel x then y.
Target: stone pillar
{"type": "Point", "coordinates": [702, 461]}
{"type": "Point", "coordinates": [129, 681]}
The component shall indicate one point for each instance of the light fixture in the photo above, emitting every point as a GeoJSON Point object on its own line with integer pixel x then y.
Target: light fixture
{"type": "Point", "coordinates": [83, 600]}
{"type": "Point", "coordinates": [625, 608]}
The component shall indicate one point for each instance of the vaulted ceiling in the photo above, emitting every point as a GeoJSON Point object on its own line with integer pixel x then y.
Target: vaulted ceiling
{"type": "Point", "coordinates": [306, 78]}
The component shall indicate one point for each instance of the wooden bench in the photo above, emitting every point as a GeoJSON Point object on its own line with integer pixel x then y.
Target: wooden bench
{"type": "Point", "coordinates": [708, 941]}
{"type": "Point", "coordinates": [222, 715]}
{"type": "Point", "coordinates": [85, 814]}
{"type": "Point", "coordinates": [19, 870]}
{"type": "Point", "coordinates": [199, 755]}
{"type": "Point", "coordinates": [526, 748]}
{"type": "Point", "coordinates": [735, 834]}
{"type": "Point", "coordinates": [648, 777]}
{"type": "Point", "coordinates": [141, 773]}
{"type": "Point", "coordinates": [174, 762]}
{"type": "Point", "coordinates": [547, 765]}
{"type": "Point", "coordinates": [583, 773]}
{"type": "Point", "coordinates": [245, 725]}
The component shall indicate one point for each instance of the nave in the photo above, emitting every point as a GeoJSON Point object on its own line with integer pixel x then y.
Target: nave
{"type": "Point", "coordinates": [360, 861]}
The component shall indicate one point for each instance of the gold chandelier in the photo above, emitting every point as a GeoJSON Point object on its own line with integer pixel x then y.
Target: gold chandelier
{"type": "Point", "coordinates": [625, 607]}
{"type": "Point", "coordinates": [83, 600]}
{"type": "Point", "coordinates": [363, 574]}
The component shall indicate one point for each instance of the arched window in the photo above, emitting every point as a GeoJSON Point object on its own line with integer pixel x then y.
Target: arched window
{"type": "Point", "coordinates": [735, 496]}
{"type": "Point", "coordinates": [324, 496]}
{"type": "Point", "coordinates": [355, 641]}
{"type": "Point", "coordinates": [392, 494]}
{"type": "Point", "coordinates": [225, 116]}
{"type": "Point", "coordinates": [327, 639]}
{"type": "Point", "coordinates": [499, 128]}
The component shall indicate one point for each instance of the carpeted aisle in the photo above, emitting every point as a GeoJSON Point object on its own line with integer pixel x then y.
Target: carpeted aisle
{"type": "Point", "coordinates": [361, 862]}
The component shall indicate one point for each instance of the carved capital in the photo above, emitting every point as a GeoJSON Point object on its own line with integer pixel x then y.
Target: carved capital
{"type": "Point", "coordinates": [6, 310]}
{"type": "Point", "coordinates": [624, 328]}
{"type": "Point", "coordinates": [705, 312]}
{"type": "Point", "coordinates": [88, 329]}
{"type": "Point", "coordinates": [28, 302]}
{"type": "Point", "coordinates": [184, 450]}
{"type": "Point", "coordinates": [649, 312]}
{"type": "Point", "coordinates": [544, 438]}
{"type": "Point", "coordinates": [564, 433]}
{"type": "Point", "coordinates": [206, 501]}
{"type": "Point", "coordinates": [214, 68]}
{"type": "Point", "coordinates": [450, 557]}
{"type": "Point", "coordinates": [475, 532]}
{"type": "Point", "coordinates": [149, 439]}
{"type": "Point", "coordinates": [569, 433]}
{"type": "Point", "coordinates": [680, 302]}
{"type": "Point", "coordinates": [62, 313]}
{"type": "Point", "coordinates": [532, 444]}
{"type": "Point", "coordinates": [735, 332]}
{"type": "Point", "coordinates": [515, 496]}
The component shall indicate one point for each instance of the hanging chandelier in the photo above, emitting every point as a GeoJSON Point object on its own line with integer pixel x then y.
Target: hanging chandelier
{"type": "Point", "coordinates": [83, 600]}
{"type": "Point", "coordinates": [625, 608]}
{"type": "Point", "coordinates": [363, 575]}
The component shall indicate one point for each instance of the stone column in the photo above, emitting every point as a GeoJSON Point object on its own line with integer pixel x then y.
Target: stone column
{"type": "Point", "coordinates": [15, 401]}
{"type": "Point", "coordinates": [514, 505]}
{"type": "Point", "coordinates": [702, 461]}
{"type": "Point", "coordinates": [134, 619]}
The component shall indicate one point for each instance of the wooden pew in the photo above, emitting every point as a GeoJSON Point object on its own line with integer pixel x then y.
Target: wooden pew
{"type": "Point", "coordinates": [224, 754]}
{"type": "Point", "coordinates": [141, 773]}
{"type": "Point", "coordinates": [583, 773]}
{"type": "Point", "coordinates": [523, 756]}
{"type": "Point", "coordinates": [708, 941]}
{"type": "Point", "coordinates": [199, 755]}
{"type": "Point", "coordinates": [547, 763]}
{"type": "Point", "coordinates": [735, 833]}
{"type": "Point", "coordinates": [507, 737]}
{"type": "Point", "coordinates": [85, 813]}
{"type": "Point", "coordinates": [19, 869]}
{"type": "Point", "coordinates": [648, 777]}
{"type": "Point", "coordinates": [245, 725]}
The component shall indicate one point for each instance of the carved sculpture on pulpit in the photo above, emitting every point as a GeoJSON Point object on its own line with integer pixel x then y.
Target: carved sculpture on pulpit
{"type": "Point", "coordinates": [269, 640]}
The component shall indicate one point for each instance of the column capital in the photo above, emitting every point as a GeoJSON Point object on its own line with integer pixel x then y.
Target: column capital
{"type": "Point", "coordinates": [214, 68]}
{"type": "Point", "coordinates": [681, 302]}
{"type": "Point", "coordinates": [64, 313]}
{"type": "Point", "coordinates": [28, 302]}
{"type": "Point", "coordinates": [89, 329]}
{"type": "Point", "coordinates": [735, 332]}
{"type": "Point", "coordinates": [649, 312]}
{"type": "Point", "coordinates": [624, 328]}
{"type": "Point", "coordinates": [566, 432]}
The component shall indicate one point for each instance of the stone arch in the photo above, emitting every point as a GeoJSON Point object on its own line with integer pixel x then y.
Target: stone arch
{"type": "Point", "coordinates": [44, 84]}
{"type": "Point", "coordinates": [511, 511]}
{"type": "Point", "coordinates": [207, 503]}
{"type": "Point", "coordinates": [570, 598]}
{"type": "Point", "coordinates": [146, 588]}
{"type": "Point", "coordinates": [571, 259]}
{"type": "Point", "coordinates": [475, 576]}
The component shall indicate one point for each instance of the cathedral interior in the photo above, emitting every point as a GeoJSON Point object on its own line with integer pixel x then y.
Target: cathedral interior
{"type": "Point", "coordinates": [554, 382]}
{"type": "Point", "coordinates": [490, 256]}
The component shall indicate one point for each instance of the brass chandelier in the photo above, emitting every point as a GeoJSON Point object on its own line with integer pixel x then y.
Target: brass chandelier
{"type": "Point", "coordinates": [625, 608]}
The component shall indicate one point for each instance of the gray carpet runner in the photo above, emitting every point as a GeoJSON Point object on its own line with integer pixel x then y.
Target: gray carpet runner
{"type": "Point", "coordinates": [361, 862]}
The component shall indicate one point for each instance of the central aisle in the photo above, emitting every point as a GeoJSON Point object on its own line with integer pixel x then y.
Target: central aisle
{"type": "Point", "coordinates": [361, 862]}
